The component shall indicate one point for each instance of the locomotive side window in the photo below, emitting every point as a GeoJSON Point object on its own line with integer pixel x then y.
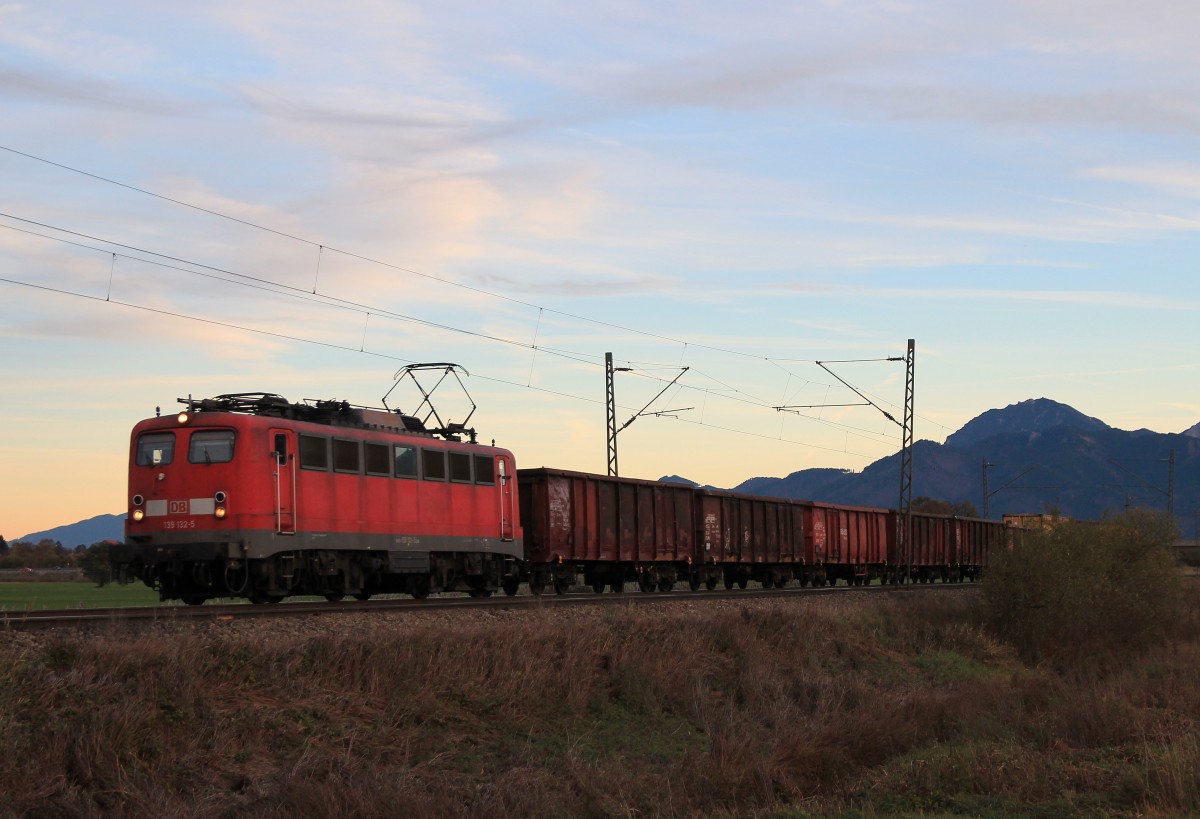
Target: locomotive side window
{"type": "Point", "coordinates": [345, 455]}
{"type": "Point", "coordinates": [433, 461]}
{"type": "Point", "coordinates": [460, 467]}
{"type": "Point", "coordinates": [376, 459]}
{"type": "Point", "coordinates": [155, 449]}
{"type": "Point", "coordinates": [211, 447]}
{"type": "Point", "coordinates": [314, 452]}
{"type": "Point", "coordinates": [406, 461]}
{"type": "Point", "coordinates": [484, 469]}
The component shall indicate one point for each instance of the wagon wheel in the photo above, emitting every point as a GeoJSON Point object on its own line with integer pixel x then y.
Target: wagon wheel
{"type": "Point", "coordinates": [511, 585]}
{"type": "Point", "coordinates": [694, 581]}
{"type": "Point", "coordinates": [258, 599]}
{"type": "Point", "coordinates": [193, 599]}
{"type": "Point", "coordinates": [728, 578]}
{"type": "Point", "coordinates": [561, 584]}
{"type": "Point", "coordinates": [617, 586]}
{"type": "Point", "coordinates": [645, 583]}
{"type": "Point", "coordinates": [598, 586]}
{"type": "Point", "coordinates": [741, 582]}
{"type": "Point", "coordinates": [781, 581]}
{"type": "Point", "coordinates": [710, 582]}
{"type": "Point", "coordinates": [666, 585]}
{"type": "Point", "coordinates": [334, 597]}
{"type": "Point", "coordinates": [362, 595]}
{"type": "Point", "coordinates": [537, 583]}
{"type": "Point", "coordinates": [480, 593]}
{"type": "Point", "coordinates": [274, 598]}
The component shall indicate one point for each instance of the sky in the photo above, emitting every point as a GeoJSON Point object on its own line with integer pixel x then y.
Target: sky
{"type": "Point", "coordinates": [303, 197]}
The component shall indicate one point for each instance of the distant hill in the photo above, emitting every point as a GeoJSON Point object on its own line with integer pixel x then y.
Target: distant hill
{"type": "Point", "coordinates": [85, 532]}
{"type": "Point", "coordinates": [1032, 416]}
{"type": "Point", "coordinates": [1042, 455]}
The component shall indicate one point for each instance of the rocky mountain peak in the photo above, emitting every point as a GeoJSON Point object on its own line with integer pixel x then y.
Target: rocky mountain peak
{"type": "Point", "coordinates": [1035, 415]}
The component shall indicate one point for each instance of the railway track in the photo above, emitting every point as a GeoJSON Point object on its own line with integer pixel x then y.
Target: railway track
{"type": "Point", "coordinates": [78, 618]}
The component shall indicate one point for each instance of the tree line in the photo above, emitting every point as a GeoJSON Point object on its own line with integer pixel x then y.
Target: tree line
{"type": "Point", "coordinates": [92, 560]}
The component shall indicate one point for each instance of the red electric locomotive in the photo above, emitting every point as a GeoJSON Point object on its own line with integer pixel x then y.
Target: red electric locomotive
{"type": "Point", "coordinates": [249, 495]}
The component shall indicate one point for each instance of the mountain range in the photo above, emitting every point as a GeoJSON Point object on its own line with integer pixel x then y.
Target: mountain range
{"type": "Point", "coordinates": [1040, 456]}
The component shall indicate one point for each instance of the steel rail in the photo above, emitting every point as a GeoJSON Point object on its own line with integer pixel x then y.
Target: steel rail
{"type": "Point", "coordinates": [26, 620]}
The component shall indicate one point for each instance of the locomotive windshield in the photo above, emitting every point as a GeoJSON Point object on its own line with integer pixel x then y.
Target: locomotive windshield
{"type": "Point", "coordinates": [155, 449]}
{"type": "Point", "coordinates": [211, 447]}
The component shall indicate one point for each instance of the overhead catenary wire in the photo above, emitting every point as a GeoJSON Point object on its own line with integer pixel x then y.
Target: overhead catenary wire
{"type": "Point", "coordinates": [367, 310]}
{"type": "Point", "coordinates": [301, 294]}
{"type": "Point", "coordinates": [322, 247]}
{"type": "Point", "coordinates": [388, 357]}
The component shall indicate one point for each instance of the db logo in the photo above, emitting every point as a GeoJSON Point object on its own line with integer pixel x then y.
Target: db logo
{"type": "Point", "coordinates": [177, 507]}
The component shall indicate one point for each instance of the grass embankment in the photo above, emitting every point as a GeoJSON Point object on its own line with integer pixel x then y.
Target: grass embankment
{"type": "Point", "coordinates": [33, 596]}
{"type": "Point", "coordinates": [783, 709]}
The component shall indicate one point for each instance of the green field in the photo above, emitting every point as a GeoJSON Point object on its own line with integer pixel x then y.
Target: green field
{"type": "Point", "coordinates": [18, 596]}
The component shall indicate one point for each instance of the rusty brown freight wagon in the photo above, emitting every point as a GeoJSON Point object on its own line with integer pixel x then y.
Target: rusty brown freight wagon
{"type": "Point", "coordinates": [850, 542]}
{"type": "Point", "coordinates": [609, 530]}
{"type": "Point", "coordinates": [747, 538]}
{"type": "Point", "coordinates": [929, 552]}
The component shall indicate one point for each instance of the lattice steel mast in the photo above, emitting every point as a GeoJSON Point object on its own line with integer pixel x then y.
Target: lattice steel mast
{"type": "Point", "coordinates": [906, 456]}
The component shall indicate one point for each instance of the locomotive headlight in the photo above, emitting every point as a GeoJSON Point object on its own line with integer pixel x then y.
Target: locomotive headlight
{"type": "Point", "coordinates": [138, 514]}
{"type": "Point", "coordinates": [219, 512]}
{"type": "Point", "coordinates": [182, 417]}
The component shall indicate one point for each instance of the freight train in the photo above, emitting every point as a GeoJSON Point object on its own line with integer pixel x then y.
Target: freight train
{"type": "Point", "coordinates": [250, 495]}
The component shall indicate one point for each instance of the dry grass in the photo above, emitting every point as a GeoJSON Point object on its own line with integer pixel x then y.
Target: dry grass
{"type": "Point", "coordinates": [883, 707]}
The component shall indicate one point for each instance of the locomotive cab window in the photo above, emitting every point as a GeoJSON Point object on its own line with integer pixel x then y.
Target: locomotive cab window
{"type": "Point", "coordinates": [345, 455]}
{"type": "Point", "coordinates": [433, 462]}
{"type": "Point", "coordinates": [155, 449]}
{"type": "Point", "coordinates": [211, 447]}
{"type": "Point", "coordinates": [460, 467]}
{"type": "Point", "coordinates": [314, 452]}
{"type": "Point", "coordinates": [406, 461]}
{"type": "Point", "coordinates": [484, 470]}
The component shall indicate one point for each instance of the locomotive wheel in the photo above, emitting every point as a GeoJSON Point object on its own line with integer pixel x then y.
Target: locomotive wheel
{"type": "Point", "coordinates": [193, 600]}
{"type": "Point", "coordinates": [511, 585]}
{"type": "Point", "coordinates": [334, 597]}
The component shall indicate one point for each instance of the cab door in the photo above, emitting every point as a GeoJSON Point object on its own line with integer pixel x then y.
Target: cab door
{"type": "Point", "coordinates": [508, 511]}
{"type": "Point", "coordinates": [283, 475]}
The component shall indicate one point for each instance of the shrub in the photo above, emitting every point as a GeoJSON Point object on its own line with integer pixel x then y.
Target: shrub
{"type": "Point", "coordinates": [93, 562]}
{"type": "Point", "coordinates": [1079, 589]}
